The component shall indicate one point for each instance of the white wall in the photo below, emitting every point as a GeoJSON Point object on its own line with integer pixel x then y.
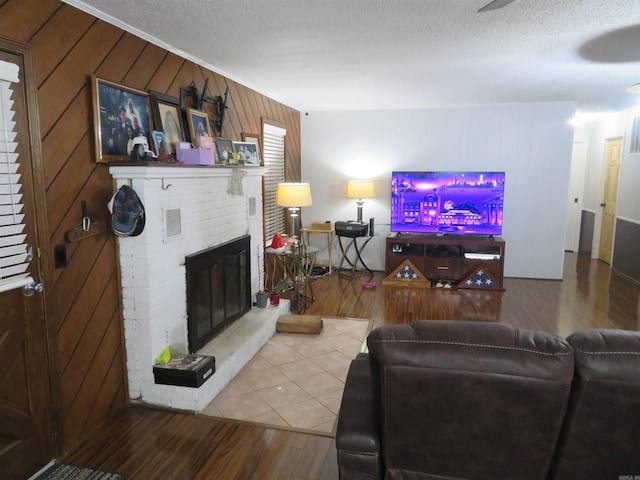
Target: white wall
{"type": "Point", "coordinates": [596, 132]}
{"type": "Point", "coordinates": [628, 193]}
{"type": "Point", "coordinates": [531, 142]}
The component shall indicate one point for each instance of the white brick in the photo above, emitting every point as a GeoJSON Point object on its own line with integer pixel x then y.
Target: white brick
{"type": "Point", "coordinates": [153, 272]}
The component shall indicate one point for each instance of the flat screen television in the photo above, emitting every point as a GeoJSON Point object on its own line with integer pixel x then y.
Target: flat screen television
{"type": "Point", "coordinates": [458, 203]}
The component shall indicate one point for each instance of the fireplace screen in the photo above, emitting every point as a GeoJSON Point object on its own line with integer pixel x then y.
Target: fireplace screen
{"type": "Point", "coordinates": [218, 289]}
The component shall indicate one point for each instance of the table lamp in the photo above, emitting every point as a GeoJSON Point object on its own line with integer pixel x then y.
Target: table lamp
{"type": "Point", "coordinates": [293, 196]}
{"type": "Point", "coordinates": [360, 189]}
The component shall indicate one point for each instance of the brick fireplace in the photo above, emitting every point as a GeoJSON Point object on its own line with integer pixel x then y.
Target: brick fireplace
{"type": "Point", "coordinates": [188, 210]}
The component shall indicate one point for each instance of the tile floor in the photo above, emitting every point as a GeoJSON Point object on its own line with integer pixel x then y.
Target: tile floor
{"type": "Point", "coordinates": [295, 380]}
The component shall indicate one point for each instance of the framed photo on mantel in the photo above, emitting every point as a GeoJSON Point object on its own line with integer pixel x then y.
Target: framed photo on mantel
{"type": "Point", "coordinates": [119, 115]}
{"type": "Point", "coordinates": [224, 149]}
{"type": "Point", "coordinates": [167, 118]}
{"type": "Point", "coordinates": [247, 153]}
{"type": "Point", "coordinates": [198, 125]}
{"type": "Point", "coordinates": [256, 139]}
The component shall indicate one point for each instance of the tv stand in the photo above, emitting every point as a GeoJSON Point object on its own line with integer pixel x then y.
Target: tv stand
{"type": "Point", "coordinates": [449, 257]}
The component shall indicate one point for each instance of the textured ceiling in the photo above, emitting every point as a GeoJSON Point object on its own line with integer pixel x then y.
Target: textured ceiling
{"type": "Point", "coordinates": [371, 54]}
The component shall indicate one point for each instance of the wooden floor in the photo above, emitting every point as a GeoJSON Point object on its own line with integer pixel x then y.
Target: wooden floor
{"type": "Point", "coordinates": [147, 443]}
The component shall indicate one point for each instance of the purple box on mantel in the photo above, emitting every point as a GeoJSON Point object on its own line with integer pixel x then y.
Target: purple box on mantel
{"type": "Point", "coordinates": [194, 156]}
{"type": "Point", "coordinates": [188, 371]}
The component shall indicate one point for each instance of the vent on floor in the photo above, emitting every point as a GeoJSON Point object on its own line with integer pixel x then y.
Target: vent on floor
{"type": "Point", "coordinates": [172, 224]}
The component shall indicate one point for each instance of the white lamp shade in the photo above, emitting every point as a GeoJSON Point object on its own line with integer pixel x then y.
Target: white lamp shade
{"type": "Point", "coordinates": [293, 195]}
{"type": "Point", "coordinates": [360, 189]}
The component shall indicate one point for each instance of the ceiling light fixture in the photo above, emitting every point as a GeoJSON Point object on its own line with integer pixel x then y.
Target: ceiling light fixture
{"type": "Point", "coordinates": [581, 118]}
{"type": "Point", "coordinates": [633, 88]}
{"type": "Point", "coordinates": [495, 5]}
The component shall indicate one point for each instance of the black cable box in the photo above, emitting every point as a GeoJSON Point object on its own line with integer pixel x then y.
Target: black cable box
{"type": "Point", "coordinates": [352, 229]}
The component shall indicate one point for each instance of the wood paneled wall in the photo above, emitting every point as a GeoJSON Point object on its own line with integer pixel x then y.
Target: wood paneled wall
{"type": "Point", "coordinates": [68, 47]}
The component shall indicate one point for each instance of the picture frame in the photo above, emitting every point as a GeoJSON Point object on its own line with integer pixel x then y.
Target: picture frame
{"type": "Point", "coordinates": [247, 153]}
{"type": "Point", "coordinates": [634, 141]}
{"type": "Point", "coordinates": [224, 151]}
{"type": "Point", "coordinates": [209, 144]}
{"type": "Point", "coordinates": [255, 139]}
{"type": "Point", "coordinates": [198, 125]}
{"type": "Point", "coordinates": [168, 118]}
{"type": "Point", "coordinates": [119, 115]}
{"type": "Point", "coordinates": [160, 144]}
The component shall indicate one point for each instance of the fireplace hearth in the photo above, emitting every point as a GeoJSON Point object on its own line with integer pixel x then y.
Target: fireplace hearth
{"type": "Point", "coordinates": [153, 275]}
{"type": "Point", "coordinates": [218, 289]}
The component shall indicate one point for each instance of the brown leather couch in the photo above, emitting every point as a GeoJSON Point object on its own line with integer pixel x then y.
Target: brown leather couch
{"type": "Point", "coordinates": [600, 438]}
{"type": "Point", "coordinates": [438, 400]}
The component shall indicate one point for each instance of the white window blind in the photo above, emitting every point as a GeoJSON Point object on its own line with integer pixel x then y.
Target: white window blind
{"type": "Point", "coordinates": [273, 144]}
{"type": "Point", "coordinates": [14, 256]}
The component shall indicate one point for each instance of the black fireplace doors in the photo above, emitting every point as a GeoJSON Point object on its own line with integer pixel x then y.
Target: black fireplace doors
{"type": "Point", "coordinates": [218, 289]}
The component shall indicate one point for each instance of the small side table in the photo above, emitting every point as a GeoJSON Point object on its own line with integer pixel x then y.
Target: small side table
{"type": "Point", "coordinates": [330, 234]}
{"type": "Point", "coordinates": [358, 249]}
{"type": "Point", "coordinates": [297, 263]}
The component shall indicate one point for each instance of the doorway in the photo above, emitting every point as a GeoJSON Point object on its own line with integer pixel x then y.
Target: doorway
{"type": "Point", "coordinates": [576, 186]}
{"type": "Point", "coordinates": [26, 411]}
{"type": "Point", "coordinates": [609, 204]}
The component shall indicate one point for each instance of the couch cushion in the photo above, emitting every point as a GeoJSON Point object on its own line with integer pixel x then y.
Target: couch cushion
{"type": "Point", "coordinates": [469, 400]}
{"type": "Point", "coordinates": [600, 436]}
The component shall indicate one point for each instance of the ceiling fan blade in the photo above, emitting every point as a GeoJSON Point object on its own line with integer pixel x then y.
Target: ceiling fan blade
{"type": "Point", "coordinates": [495, 5]}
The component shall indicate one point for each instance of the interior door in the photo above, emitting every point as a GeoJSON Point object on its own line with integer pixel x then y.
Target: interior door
{"type": "Point", "coordinates": [26, 427]}
{"type": "Point", "coordinates": [614, 160]}
{"type": "Point", "coordinates": [576, 185]}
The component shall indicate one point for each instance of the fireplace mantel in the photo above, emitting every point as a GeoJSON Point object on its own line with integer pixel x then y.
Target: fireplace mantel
{"type": "Point", "coordinates": [187, 209]}
{"type": "Point", "coordinates": [161, 171]}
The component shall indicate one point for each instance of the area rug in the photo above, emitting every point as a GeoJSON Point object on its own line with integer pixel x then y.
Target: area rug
{"type": "Point", "coordinates": [296, 380]}
{"type": "Point", "coordinates": [63, 471]}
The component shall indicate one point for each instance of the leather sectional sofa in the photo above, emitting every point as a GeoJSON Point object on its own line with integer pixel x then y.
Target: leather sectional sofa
{"type": "Point", "coordinates": [443, 400]}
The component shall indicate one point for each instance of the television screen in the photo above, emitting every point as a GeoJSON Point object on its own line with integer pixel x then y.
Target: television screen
{"type": "Point", "coordinates": [465, 203]}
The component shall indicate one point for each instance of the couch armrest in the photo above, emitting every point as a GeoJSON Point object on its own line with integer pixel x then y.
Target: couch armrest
{"type": "Point", "coordinates": [357, 433]}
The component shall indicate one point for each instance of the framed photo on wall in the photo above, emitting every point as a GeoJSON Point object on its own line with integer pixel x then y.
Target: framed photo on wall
{"type": "Point", "coordinates": [119, 115]}
{"type": "Point", "coordinates": [198, 125]}
{"type": "Point", "coordinates": [167, 118]}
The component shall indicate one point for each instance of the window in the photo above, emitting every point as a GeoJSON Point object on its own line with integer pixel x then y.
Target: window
{"type": "Point", "coordinates": [14, 257]}
{"type": "Point", "coordinates": [273, 145]}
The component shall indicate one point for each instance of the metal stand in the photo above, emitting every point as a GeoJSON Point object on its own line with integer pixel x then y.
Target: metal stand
{"type": "Point", "coordinates": [302, 265]}
{"type": "Point", "coordinates": [297, 264]}
{"type": "Point", "coordinates": [353, 264]}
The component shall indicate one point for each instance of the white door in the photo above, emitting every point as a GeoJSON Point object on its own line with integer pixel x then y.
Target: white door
{"type": "Point", "coordinates": [576, 187]}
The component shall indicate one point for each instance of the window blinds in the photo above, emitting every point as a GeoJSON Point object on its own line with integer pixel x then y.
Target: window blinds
{"type": "Point", "coordinates": [14, 255]}
{"type": "Point", "coordinates": [273, 145]}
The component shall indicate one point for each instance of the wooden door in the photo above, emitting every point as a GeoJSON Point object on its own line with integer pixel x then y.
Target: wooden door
{"type": "Point", "coordinates": [26, 425]}
{"type": "Point", "coordinates": [614, 159]}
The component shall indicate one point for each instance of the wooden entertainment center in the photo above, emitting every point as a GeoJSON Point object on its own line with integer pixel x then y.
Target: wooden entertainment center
{"type": "Point", "coordinates": [443, 257]}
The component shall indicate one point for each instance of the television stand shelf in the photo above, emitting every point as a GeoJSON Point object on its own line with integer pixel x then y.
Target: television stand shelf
{"type": "Point", "coordinates": [451, 258]}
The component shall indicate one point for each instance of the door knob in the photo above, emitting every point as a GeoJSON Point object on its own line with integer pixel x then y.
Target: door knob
{"type": "Point", "coordinates": [32, 288]}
